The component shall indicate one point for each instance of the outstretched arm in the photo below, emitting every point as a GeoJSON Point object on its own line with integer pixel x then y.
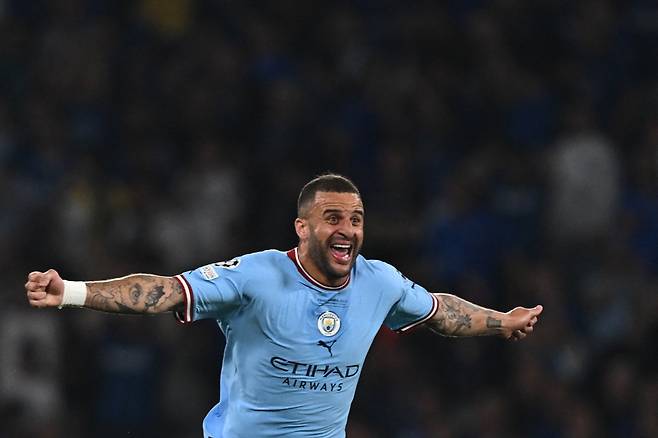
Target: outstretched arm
{"type": "Point", "coordinates": [136, 293]}
{"type": "Point", "coordinates": [458, 317]}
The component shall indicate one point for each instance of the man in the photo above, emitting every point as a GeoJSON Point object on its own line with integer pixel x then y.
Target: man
{"type": "Point", "coordinates": [298, 324]}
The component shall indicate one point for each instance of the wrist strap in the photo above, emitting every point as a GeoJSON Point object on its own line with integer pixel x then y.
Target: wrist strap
{"type": "Point", "coordinates": [75, 294]}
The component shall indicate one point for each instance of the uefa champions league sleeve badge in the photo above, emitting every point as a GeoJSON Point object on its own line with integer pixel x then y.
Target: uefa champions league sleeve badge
{"type": "Point", "coordinates": [328, 323]}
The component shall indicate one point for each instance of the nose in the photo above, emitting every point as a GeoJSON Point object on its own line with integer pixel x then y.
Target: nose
{"type": "Point", "coordinates": [347, 230]}
{"type": "Point", "coordinates": [344, 234]}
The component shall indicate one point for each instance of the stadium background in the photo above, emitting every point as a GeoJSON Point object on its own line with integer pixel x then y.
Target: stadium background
{"type": "Point", "coordinates": [506, 151]}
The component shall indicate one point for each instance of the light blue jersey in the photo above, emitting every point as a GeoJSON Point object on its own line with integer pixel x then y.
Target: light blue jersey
{"type": "Point", "coordinates": [294, 348]}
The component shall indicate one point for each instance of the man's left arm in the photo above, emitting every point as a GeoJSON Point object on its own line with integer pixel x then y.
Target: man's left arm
{"type": "Point", "coordinates": [457, 317]}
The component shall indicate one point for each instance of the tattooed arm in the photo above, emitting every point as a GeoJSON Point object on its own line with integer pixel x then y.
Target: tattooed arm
{"type": "Point", "coordinates": [458, 317]}
{"type": "Point", "coordinates": [137, 293]}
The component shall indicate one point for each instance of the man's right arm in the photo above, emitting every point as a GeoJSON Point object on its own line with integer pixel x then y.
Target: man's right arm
{"type": "Point", "coordinates": [136, 293]}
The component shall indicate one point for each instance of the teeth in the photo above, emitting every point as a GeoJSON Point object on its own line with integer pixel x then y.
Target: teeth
{"type": "Point", "coordinates": [342, 246]}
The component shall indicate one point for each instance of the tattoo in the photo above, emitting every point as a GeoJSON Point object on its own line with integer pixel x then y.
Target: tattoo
{"type": "Point", "coordinates": [135, 293]}
{"type": "Point", "coordinates": [128, 294]}
{"type": "Point", "coordinates": [153, 297]}
{"type": "Point", "coordinates": [125, 309]}
{"type": "Point", "coordinates": [493, 322]}
{"type": "Point", "coordinates": [458, 317]}
{"type": "Point", "coordinates": [101, 299]}
{"type": "Point", "coordinates": [453, 317]}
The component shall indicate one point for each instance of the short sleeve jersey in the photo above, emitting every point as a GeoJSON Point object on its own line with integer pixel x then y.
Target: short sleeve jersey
{"type": "Point", "coordinates": [294, 347]}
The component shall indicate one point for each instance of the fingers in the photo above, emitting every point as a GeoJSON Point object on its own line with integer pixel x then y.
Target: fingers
{"type": "Point", "coordinates": [38, 295]}
{"type": "Point", "coordinates": [525, 331]}
{"type": "Point", "coordinates": [522, 321]}
{"type": "Point", "coordinates": [37, 298]}
{"type": "Point", "coordinates": [529, 328]}
{"type": "Point", "coordinates": [33, 278]}
{"type": "Point", "coordinates": [40, 279]}
{"type": "Point", "coordinates": [533, 318]}
{"type": "Point", "coordinates": [36, 285]}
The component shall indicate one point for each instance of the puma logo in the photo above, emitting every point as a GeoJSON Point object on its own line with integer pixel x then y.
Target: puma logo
{"type": "Point", "coordinates": [327, 345]}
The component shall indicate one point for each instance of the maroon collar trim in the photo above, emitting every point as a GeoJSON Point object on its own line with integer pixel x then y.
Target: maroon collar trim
{"type": "Point", "coordinates": [294, 256]}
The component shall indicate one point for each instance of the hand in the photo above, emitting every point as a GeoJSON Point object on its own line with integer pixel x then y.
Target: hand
{"type": "Point", "coordinates": [44, 289]}
{"type": "Point", "coordinates": [520, 322]}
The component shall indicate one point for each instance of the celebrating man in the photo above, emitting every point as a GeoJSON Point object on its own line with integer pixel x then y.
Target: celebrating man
{"type": "Point", "coordinates": [298, 324]}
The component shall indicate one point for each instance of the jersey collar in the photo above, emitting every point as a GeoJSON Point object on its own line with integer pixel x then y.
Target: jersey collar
{"type": "Point", "coordinates": [294, 256]}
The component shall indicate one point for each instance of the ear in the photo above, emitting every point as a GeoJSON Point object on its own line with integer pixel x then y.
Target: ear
{"type": "Point", "coordinates": [301, 228]}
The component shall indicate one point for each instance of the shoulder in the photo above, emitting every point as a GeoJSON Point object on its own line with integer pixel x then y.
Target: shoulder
{"type": "Point", "coordinates": [257, 261]}
{"type": "Point", "coordinates": [383, 271]}
{"type": "Point", "coordinates": [268, 254]}
{"type": "Point", "coordinates": [374, 265]}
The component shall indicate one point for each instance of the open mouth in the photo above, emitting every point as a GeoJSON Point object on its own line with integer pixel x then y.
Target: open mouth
{"type": "Point", "coordinates": [342, 252]}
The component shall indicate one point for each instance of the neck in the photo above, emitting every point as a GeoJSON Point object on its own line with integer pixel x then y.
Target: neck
{"type": "Point", "coordinates": [311, 268]}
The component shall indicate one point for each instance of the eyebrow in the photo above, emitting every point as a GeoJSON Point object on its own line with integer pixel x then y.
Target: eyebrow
{"type": "Point", "coordinates": [336, 210]}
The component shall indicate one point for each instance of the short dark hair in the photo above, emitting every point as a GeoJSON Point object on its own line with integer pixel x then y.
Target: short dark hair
{"type": "Point", "coordinates": [328, 182]}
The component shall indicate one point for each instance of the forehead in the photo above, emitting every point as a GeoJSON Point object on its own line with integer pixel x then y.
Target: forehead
{"type": "Point", "coordinates": [336, 201]}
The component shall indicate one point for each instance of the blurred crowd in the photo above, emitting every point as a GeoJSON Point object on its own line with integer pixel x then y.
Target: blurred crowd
{"type": "Point", "coordinates": [507, 151]}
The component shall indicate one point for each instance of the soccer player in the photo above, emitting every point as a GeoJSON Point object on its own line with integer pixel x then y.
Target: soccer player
{"type": "Point", "coordinates": [298, 324]}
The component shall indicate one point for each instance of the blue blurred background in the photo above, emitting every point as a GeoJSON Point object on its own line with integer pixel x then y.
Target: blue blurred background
{"type": "Point", "coordinates": [507, 151]}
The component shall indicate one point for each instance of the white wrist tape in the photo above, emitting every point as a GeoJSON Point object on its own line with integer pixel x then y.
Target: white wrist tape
{"type": "Point", "coordinates": [75, 294]}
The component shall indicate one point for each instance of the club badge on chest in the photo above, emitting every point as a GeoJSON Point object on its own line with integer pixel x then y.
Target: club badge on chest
{"type": "Point", "coordinates": [328, 323]}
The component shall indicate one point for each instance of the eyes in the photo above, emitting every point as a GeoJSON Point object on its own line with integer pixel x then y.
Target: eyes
{"type": "Point", "coordinates": [334, 219]}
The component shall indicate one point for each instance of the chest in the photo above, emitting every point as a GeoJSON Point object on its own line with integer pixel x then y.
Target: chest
{"type": "Point", "coordinates": [311, 323]}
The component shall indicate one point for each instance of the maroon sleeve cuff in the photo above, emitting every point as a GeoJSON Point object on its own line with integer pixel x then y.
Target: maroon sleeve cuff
{"type": "Point", "coordinates": [432, 312]}
{"type": "Point", "coordinates": [185, 317]}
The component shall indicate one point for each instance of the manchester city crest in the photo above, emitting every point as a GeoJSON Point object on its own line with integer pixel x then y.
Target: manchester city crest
{"type": "Point", "coordinates": [328, 323]}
